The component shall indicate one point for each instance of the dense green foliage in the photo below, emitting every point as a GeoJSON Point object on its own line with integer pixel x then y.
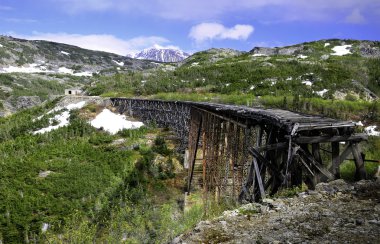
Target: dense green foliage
{"type": "Point", "coordinates": [74, 179]}
{"type": "Point", "coordinates": [36, 85]}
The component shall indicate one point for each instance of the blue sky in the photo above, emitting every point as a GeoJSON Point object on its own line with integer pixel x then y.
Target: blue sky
{"type": "Point", "coordinates": [127, 26]}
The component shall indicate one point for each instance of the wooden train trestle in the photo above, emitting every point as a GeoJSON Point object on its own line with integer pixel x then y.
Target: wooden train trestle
{"type": "Point", "coordinates": [248, 153]}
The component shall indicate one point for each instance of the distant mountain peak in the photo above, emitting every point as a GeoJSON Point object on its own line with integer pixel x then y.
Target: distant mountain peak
{"type": "Point", "coordinates": [162, 54]}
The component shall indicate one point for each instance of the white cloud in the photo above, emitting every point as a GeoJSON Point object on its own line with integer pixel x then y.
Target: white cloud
{"type": "Point", "coordinates": [18, 20]}
{"type": "Point", "coordinates": [100, 42]}
{"type": "Point", "coordinates": [210, 31]}
{"type": "Point", "coordinates": [74, 6]}
{"type": "Point", "coordinates": [355, 17]}
{"type": "Point", "coordinates": [5, 8]}
{"type": "Point", "coordinates": [263, 10]}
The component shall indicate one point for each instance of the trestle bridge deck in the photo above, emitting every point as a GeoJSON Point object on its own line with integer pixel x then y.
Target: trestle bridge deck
{"type": "Point", "coordinates": [248, 153]}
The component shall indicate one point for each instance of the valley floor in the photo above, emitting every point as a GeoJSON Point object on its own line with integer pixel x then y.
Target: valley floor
{"type": "Point", "coordinates": [336, 212]}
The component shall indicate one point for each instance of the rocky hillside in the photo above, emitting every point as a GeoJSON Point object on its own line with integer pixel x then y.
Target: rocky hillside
{"type": "Point", "coordinates": [324, 49]}
{"type": "Point", "coordinates": [327, 68]}
{"type": "Point", "coordinates": [17, 55]}
{"type": "Point", "coordinates": [337, 212]}
{"type": "Point", "coordinates": [33, 71]}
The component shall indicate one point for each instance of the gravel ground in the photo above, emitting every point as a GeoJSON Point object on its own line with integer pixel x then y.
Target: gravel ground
{"type": "Point", "coordinates": [336, 212]}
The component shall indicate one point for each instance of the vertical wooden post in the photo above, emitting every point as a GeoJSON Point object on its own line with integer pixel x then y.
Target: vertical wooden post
{"type": "Point", "coordinates": [335, 159]}
{"type": "Point", "coordinates": [205, 138]}
{"type": "Point", "coordinates": [256, 186]}
{"type": "Point", "coordinates": [360, 172]}
{"type": "Point", "coordinates": [309, 180]}
{"type": "Point", "coordinates": [317, 156]}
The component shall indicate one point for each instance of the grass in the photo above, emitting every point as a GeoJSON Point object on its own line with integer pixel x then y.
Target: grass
{"type": "Point", "coordinates": [348, 169]}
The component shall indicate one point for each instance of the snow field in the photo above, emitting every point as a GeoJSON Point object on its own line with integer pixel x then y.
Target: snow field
{"type": "Point", "coordinates": [107, 120]}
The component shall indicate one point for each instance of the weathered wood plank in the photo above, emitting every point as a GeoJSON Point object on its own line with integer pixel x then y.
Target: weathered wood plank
{"type": "Point", "coordinates": [335, 159]}
{"type": "Point", "coordinates": [324, 139]}
{"type": "Point", "coordinates": [259, 179]}
{"type": "Point", "coordinates": [307, 157]}
{"type": "Point", "coordinates": [360, 173]}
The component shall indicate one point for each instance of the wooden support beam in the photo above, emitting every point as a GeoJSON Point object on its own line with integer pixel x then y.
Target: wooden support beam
{"type": "Point", "coordinates": [315, 148]}
{"type": "Point", "coordinates": [193, 144]}
{"type": "Point", "coordinates": [271, 147]}
{"type": "Point", "coordinates": [308, 158]}
{"type": "Point", "coordinates": [323, 139]}
{"type": "Point", "coordinates": [360, 173]}
{"type": "Point", "coordinates": [335, 159]}
{"type": "Point", "coordinates": [224, 118]}
{"type": "Point", "coordinates": [261, 159]}
{"type": "Point", "coordinates": [259, 179]}
{"type": "Point", "coordinates": [255, 187]}
{"type": "Point", "coordinates": [309, 179]}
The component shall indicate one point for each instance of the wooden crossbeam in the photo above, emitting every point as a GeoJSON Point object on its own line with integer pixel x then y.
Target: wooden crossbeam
{"type": "Point", "coordinates": [307, 157]}
{"type": "Point", "coordinates": [280, 145]}
{"type": "Point", "coordinates": [223, 117]}
{"type": "Point", "coordinates": [260, 158]}
{"type": "Point", "coordinates": [322, 139]}
{"type": "Point", "coordinates": [259, 179]}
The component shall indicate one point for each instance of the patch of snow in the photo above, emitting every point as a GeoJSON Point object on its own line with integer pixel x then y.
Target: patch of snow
{"type": "Point", "coordinates": [76, 105]}
{"type": "Point", "coordinates": [327, 44]}
{"type": "Point", "coordinates": [228, 84]}
{"type": "Point", "coordinates": [118, 68]}
{"type": "Point", "coordinates": [231, 213]}
{"type": "Point", "coordinates": [65, 70]}
{"type": "Point", "coordinates": [341, 50]}
{"type": "Point", "coordinates": [195, 64]}
{"type": "Point", "coordinates": [65, 53]}
{"type": "Point", "coordinates": [118, 63]}
{"type": "Point", "coordinates": [325, 56]}
{"type": "Point", "coordinates": [359, 123]}
{"type": "Point", "coordinates": [307, 82]}
{"type": "Point", "coordinates": [1, 45]}
{"type": "Point", "coordinates": [32, 68]}
{"type": "Point", "coordinates": [44, 174]}
{"type": "Point", "coordinates": [84, 73]}
{"type": "Point", "coordinates": [62, 118]}
{"type": "Point", "coordinates": [143, 81]}
{"type": "Point", "coordinates": [45, 227]}
{"type": "Point", "coordinates": [259, 55]}
{"type": "Point", "coordinates": [302, 56]}
{"type": "Point", "coordinates": [273, 83]}
{"type": "Point", "coordinates": [113, 123]}
{"type": "Point", "coordinates": [371, 131]}
{"type": "Point", "coordinates": [289, 78]}
{"type": "Point", "coordinates": [252, 87]}
{"type": "Point", "coordinates": [321, 93]}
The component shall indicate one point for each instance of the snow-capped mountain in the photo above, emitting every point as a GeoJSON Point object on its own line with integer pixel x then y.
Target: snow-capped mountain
{"type": "Point", "coordinates": [162, 54]}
